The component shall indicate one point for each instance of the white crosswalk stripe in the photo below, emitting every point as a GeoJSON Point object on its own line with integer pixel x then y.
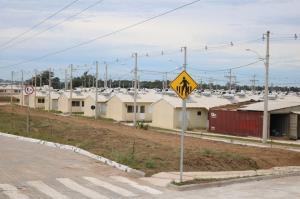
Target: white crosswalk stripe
{"type": "Point", "coordinates": [12, 192]}
{"type": "Point", "coordinates": [42, 187]}
{"type": "Point", "coordinates": [111, 187]}
{"type": "Point", "coordinates": [80, 189]}
{"type": "Point", "coordinates": [136, 185]}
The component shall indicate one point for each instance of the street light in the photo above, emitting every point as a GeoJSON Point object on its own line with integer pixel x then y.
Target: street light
{"type": "Point", "coordinates": [258, 55]}
{"type": "Point", "coordinates": [266, 94]}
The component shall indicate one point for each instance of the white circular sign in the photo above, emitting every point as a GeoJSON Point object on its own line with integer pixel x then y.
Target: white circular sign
{"type": "Point", "coordinates": [29, 90]}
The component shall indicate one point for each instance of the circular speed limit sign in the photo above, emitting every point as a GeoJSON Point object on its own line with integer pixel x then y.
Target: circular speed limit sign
{"type": "Point", "coordinates": [29, 90]}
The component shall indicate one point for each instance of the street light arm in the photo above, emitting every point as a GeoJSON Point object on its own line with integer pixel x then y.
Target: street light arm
{"type": "Point", "coordinates": [261, 58]}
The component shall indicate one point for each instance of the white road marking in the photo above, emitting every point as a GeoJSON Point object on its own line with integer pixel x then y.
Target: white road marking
{"type": "Point", "coordinates": [81, 189]}
{"type": "Point", "coordinates": [42, 187]}
{"type": "Point", "coordinates": [12, 192]}
{"type": "Point", "coordinates": [136, 185]}
{"type": "Point", "coordinates": [111, 187]}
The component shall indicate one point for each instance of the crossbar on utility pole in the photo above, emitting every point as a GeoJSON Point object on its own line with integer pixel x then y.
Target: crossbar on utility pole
{"type": "Point", "coordinates": [266, 94]}
{"type": "Point", "coordinates": [183, 127]}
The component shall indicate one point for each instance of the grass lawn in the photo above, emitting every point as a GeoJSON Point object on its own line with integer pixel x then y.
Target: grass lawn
{"type": "Point", "coordinates": [146, 150]}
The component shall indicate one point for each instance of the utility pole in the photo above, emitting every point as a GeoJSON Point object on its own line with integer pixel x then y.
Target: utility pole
{"type": "Point", "coordinates": [22, 79]}
{"type": "Point", "coordinates": [266, 96]}
{"type": "Point", "coordinates": [253, 81]}
{"type": "Point", "coordinates": [183, 127]}
{"type": "Point", "coordinates": [166, 84]}
{"type": "Point", "coordinates": [96, 91]}
{"type": "Point", "coordinates": [11, 88]}
{"type": "Point", "coordinates": [135, 89]}
{"type": "Point", "coordinates": [11, 98]}
{"type": "Point", "coordinates": [110, 82]}
{"type": "Point", "coordinates": [49, 94]}
{"type": "Point", "coordinates": [71, 88]}
{"type": "Point", "coordinates": [210, 81]}
{"type": "Point", "coordinates": [35, 73]}
{"type": "Point", "coordinates": [41, 80]}
{"type": "Point", "coordinates": [105, 81]}
{"type": "Point", "coordinates": [230, 78]}
{"type": "Point", "coordinates": [66, 79]}
{"type": "Point", "coordinates": [139, 82]}
{"type": "Point", "coordinates": [163, 83]}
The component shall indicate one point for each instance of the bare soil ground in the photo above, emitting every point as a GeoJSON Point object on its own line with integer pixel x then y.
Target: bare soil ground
{"type": "Point", "coordinates": [146, 150]}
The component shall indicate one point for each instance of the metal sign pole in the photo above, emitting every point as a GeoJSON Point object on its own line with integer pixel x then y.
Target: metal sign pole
{"type": "Point", "coordinates": [183, 126]}
{"type": "Point", "coordinates": [28, 119]}
{"type": "Point", "coordinates": [28, 90]}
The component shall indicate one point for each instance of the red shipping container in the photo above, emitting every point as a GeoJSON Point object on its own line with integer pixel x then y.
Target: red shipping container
{"type": "Point", "coordinates": [239, 123]}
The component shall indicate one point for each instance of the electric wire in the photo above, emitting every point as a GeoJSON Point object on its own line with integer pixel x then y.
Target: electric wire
{"type": "Point", "coordinates": [38, 24]}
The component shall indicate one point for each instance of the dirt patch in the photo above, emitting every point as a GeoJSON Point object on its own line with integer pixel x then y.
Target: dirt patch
{"type": "Point", "coordinates": [147, 150]}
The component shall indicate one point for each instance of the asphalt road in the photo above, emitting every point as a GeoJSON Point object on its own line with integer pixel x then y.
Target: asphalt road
{"type": "Point", "coordinates": [29, 170]}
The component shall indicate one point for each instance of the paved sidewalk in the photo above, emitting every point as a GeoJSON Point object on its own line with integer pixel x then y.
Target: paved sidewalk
{"type": "Point", "coordinates": [164, 178]}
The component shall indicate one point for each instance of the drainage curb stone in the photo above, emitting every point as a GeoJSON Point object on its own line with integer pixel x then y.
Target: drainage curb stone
{"type": "Point", "coordinates": [227, 182]}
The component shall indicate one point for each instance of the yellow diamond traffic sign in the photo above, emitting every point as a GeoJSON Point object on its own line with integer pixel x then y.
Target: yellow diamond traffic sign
{"type": "Point", "coordinates": [183, 85]}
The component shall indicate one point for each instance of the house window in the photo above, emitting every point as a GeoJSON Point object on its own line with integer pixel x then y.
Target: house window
{"type": "Point", "coordinates": [129, 109]}
{"type": "Point", "coordinates": [75, 103]}
{"type": "Point", "coordinates": [82, 103]}
{"type": "Point", "coordinates": [142, 109]}
{"type": "Point", "coordinates": [41, 100]}
{"type": "Point", "coordinates": [199, 113]}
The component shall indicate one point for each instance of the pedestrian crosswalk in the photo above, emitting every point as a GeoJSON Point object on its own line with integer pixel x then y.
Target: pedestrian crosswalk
{"type": "Point", "coordinates": [82, 187]}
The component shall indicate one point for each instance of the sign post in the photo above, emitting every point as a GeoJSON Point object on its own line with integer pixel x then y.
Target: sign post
{"type": "Point", "coordinates": [183, 85]}
{"type": "Point", "coordinates": [28, 90]}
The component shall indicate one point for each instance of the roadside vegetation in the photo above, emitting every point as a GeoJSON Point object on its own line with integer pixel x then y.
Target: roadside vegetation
{"type": "Point", "coordinates": [138, 148]}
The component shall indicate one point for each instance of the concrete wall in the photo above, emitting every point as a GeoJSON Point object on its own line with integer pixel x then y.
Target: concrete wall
{"type": "Point", "coordinates": [88, 112]}
{"type": "Point", "coordinates": [26, 100]}
{"type": "Point", "coordinates": [63, 104]}
{"type": "Point", "coordinates": [293, 132]}
{"type": "Point", "coordinates": [53, 104]}
{"type": "Point", "coordinates": [147, 116]}
{"type": "Point", "coordinates": [163, 115]}
{"type": "Point", "coordinates": [32, 98]}
{"type": "Point", "coordinates": [115, 109]}
{"type": "Point", "coordinates": [194, 121]}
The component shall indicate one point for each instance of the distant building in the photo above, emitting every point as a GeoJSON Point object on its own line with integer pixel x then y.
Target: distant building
{"type": "Point", "coordinates": [120, 107]}
{"type": "Point", "coordinates": [247, 120]}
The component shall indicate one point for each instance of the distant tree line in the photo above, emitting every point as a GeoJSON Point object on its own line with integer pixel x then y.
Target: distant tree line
{"type": "Point", "coordinates": [88, 80]}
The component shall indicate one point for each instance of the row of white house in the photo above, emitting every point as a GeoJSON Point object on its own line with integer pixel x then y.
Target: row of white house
{"type": "Point", "coordinates": [162, 109]}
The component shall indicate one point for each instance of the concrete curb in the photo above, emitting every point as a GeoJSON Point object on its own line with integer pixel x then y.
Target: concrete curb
{"type": "Point", "coordinates": [106, 161]}
{"type": "Point", "coordinates": [228, 182]}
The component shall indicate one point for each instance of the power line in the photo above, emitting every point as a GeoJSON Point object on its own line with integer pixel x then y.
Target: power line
{"type": "Point", "coordinates": [226, 69]}
{"type": "Point", "coordinates": [38, 24]}
{"type": "Point", "coordinates": [105, 35]}
{"type": "Point", "coordinates": [55, 25]}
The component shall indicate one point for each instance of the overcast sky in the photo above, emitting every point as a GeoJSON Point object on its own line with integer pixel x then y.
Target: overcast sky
{"type": "Point", "coordinates": [211, 23]}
